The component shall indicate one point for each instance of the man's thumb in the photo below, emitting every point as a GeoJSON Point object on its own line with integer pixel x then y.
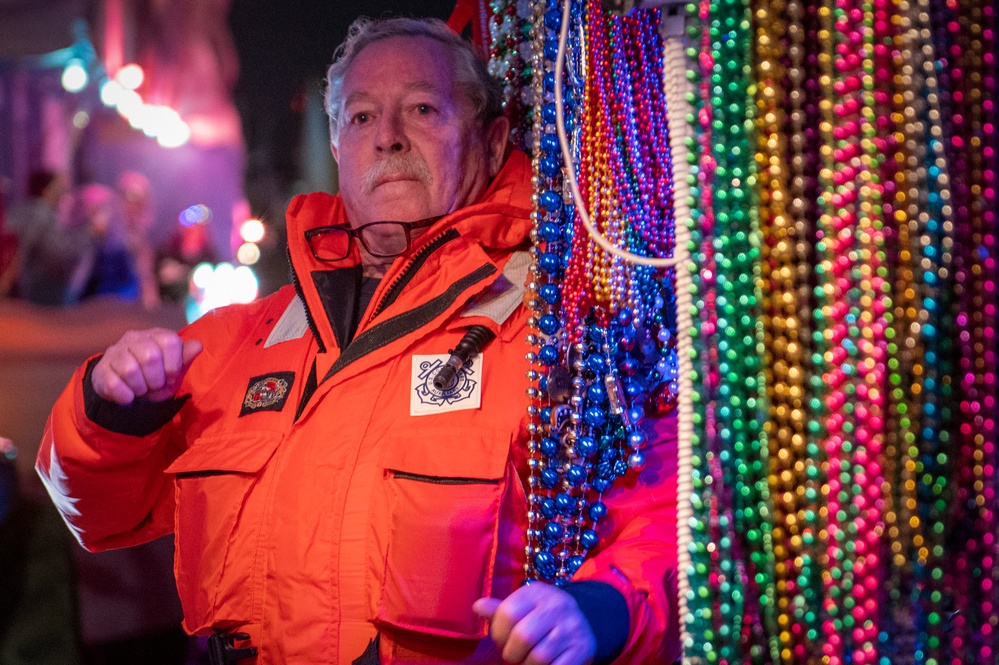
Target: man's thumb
{"type": "Point", "coordinates": [486, 607]}
{"type": "Point", "coordinates": [190, 351]}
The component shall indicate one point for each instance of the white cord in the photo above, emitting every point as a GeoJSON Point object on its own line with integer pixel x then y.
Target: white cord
{"type": "Point", "coordinates": [570, 170]}
{"type": "Point", "coordinates": [675, 87]}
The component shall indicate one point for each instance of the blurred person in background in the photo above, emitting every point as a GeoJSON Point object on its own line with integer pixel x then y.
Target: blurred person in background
{"type": "Point", "coordinates": [46, 190]}
{"type": "Point", "coordinates": [33, 228]}
{"type": "Point", "coordinates": [97, 209]}
{"type": "Point", "coordinates": [57, 248]}
{"type": "Point", "coordinates": [137, 208]}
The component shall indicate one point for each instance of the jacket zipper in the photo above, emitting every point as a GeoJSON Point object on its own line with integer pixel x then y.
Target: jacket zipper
{"type": "Point", "coordinates": [400, 325]}
{"type": "Point", "coordinates": [439, 480]}
{"type": "Point", "coordinates": [305, 303]}
{"type": "Point", "coordinates": [408, 272]}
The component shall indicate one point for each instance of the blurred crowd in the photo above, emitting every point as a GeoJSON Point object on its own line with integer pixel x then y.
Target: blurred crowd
{"type": "Point", "coordinates": [62, 245]}
{"type": "Point", "coordinates": [78, 252]}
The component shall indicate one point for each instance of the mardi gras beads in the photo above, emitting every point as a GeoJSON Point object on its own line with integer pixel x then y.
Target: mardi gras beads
{"type": "Point", "coordinates": [594, 366]}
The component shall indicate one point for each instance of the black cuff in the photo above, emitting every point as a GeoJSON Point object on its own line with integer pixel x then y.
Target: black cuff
{"type": "Point", "coordinates": [607, 613]}
{"type": "Point", "coordinates": [139, 418]}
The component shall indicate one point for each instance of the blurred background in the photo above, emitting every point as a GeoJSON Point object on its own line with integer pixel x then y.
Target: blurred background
{"type": "Point", "coordinates": [148, 149]}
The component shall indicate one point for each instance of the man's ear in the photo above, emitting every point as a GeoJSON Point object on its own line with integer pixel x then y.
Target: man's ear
{"type": "Point", "coordinates": [335, 151]}
{"type": "Point", "coordinates": [497, 136]}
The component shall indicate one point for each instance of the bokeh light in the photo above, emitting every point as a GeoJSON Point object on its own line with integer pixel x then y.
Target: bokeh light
{"type": "Point", "coordinates": [218, 286]}
{"type": "Point", "coordinates": [129, 104]}
{"type": "Point", "coordinates": [74, 76]}
{"type": "Point", "coordinates": [202, 275]}
{"type": "Point", "coordinates": [111, 92]}
{"type": "Point", "coordinates": [81, 119]}
{"type": "Point", "coordinates": [252, 230]}
{"type": "Point", "coordinates": [174, 135]}
{"type": "Point", "coordinates": [130, 76]}
{"type": "Point", "coordinates": [248, 253]}
{"type": "Point", "coordinates": [198, 213]}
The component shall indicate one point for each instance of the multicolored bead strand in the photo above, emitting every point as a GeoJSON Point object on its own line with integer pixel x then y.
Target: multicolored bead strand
{"type": "Point", "coordinates": [838, 503]}
{"type": "Point", "coordinates": [888, 389]}
{"type": "Point", "coordinates": [970, 32]}
{"type": "Point", "coordinates": [778, 281]}
{"type": "Point", "coordinates": [602, 351]}
{"type": "Point", "coordinates": [510, 52]}
{"type": "Point", "coordinates": [731, 501]}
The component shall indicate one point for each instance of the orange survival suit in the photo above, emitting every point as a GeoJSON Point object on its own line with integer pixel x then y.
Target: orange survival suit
{"type": "Point", "coordinates": [322, 493]}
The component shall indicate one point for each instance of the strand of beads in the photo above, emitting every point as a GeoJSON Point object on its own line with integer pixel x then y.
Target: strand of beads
{"type": "Point", "coordinates": [734, 611]}
{"type": "Point", "coordinates": [906, 361]}
{"type": "Point", "coordinates": [785, 379]}
{"type": "Point", "coordinates": [509, 52]}
{"type": "Point", "coordinates": [714, 637]}
{"type": "Point", "coordinates": [785, 425]}
{"type": "Point", "coordinates": [975, 350]}
{"type": "Point", "coordinates": [594, 359]}
{"type": "Point", "coordinates": [906, 364]}
{"type": "Point", "coordinates": [804, 143]}
{"type": "Point", "coordinates": [930, 458]}
{"type": "Point", "coordinates": [547, 389]}
{"type": "Point", "coordinates": [838, 244]}
{"type": "Point", "coordinates": [874, 318]}
{"type": "Point", "coordinates": [985, 333]}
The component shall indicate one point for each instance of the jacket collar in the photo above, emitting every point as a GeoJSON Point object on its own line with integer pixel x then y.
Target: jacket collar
{"type": "Point", "coordinates": [497, 223]}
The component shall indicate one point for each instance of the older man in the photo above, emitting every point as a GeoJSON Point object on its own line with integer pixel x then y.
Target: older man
{"type": "Point", "coordinates": [328, 502]}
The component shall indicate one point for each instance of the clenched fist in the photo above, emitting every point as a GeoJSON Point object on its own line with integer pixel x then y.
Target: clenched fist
{"type": "Point", "coordinates": [539, 624]}
{"type": "Point", "coordinates": [144, 363]}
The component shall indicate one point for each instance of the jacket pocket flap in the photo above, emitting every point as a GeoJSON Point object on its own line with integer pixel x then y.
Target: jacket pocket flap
{"type": "Point", "coordinates": [227, 454]}
{"type": "Point", "coordinates": [448, 452]}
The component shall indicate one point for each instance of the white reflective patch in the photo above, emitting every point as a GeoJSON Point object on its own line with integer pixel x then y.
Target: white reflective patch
{"type": "Point", "coordinates": [465, 392]}
{"type": "Point", "coordinates": [500, 300]}
{"type": "Point", "coordinates": [291, 325]}
{"type": "Point", "coordinates": [56, 484]}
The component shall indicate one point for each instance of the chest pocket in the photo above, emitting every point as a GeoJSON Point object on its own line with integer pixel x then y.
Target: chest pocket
{"type": "Point", "coordinates": [218, 520]}
{"type": "Point", "coordinates": [434, 524]}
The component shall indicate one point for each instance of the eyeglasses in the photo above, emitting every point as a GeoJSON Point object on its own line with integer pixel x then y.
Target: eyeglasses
{"type": "Point", "coordinates": [381, 239]}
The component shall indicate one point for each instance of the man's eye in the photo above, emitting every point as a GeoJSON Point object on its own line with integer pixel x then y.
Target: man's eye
{"type": "Point", "coordinates": [359, 118]}
{"type": "Point", "coordinates": [424, 109]}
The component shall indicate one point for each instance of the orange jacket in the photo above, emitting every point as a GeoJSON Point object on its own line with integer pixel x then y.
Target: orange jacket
{"type": "Point", "coordinates": [314, 524]}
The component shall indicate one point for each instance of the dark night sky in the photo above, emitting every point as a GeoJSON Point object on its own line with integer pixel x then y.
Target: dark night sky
{"type": "Point", "coordinates": [284, 50]}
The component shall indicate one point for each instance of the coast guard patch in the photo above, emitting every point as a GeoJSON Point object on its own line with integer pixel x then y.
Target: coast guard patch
{"type": "Point", "coordinates": [267, 392]}
{"type": "Point", "coordinates": [464, 393]}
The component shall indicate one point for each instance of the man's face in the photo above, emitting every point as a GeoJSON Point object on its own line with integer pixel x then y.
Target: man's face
{"type": "Point", "coordinates": [409, 145]}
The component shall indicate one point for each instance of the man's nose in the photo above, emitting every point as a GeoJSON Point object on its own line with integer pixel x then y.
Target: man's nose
{"type": "Point", "coordinates": [391, 136]}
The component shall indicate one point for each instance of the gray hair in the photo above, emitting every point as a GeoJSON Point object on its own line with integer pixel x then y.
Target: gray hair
{"type": "Point", "coordinates": [470, 71]}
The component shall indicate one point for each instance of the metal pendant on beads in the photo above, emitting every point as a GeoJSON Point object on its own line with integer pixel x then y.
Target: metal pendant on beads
{"type": "Point", "coordinates": [560, 419]}
{"type": "Point", "coordinates": [615, 396]}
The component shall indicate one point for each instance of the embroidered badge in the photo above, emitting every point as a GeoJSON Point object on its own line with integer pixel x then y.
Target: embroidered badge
{"type": "Point", "coordinates": [465, 392]}
{"type": "Point", "coordinates": [268, 392]}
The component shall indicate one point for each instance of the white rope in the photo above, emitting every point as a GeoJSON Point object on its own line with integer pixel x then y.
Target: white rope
{"type": "Point", "coordinates": [675, 86]}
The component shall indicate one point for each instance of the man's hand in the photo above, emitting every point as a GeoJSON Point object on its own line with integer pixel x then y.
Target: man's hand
{"type": "Point", "coordinates": [539, 624]}
{"type": "Point", "coordinates": [144, 363]}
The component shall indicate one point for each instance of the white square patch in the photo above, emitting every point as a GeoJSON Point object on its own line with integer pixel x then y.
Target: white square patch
{"type": "Point", "coordinates": [292, 324]}
{"type": "Point", "coordinates": [465, 393]}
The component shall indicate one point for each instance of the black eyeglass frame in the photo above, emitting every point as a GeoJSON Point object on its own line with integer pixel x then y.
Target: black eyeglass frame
{"type": "Point", "coordinates": [352, 233]}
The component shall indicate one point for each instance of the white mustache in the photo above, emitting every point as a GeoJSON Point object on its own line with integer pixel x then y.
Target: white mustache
{"type": "Point", "coordinates": [396, 165]}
